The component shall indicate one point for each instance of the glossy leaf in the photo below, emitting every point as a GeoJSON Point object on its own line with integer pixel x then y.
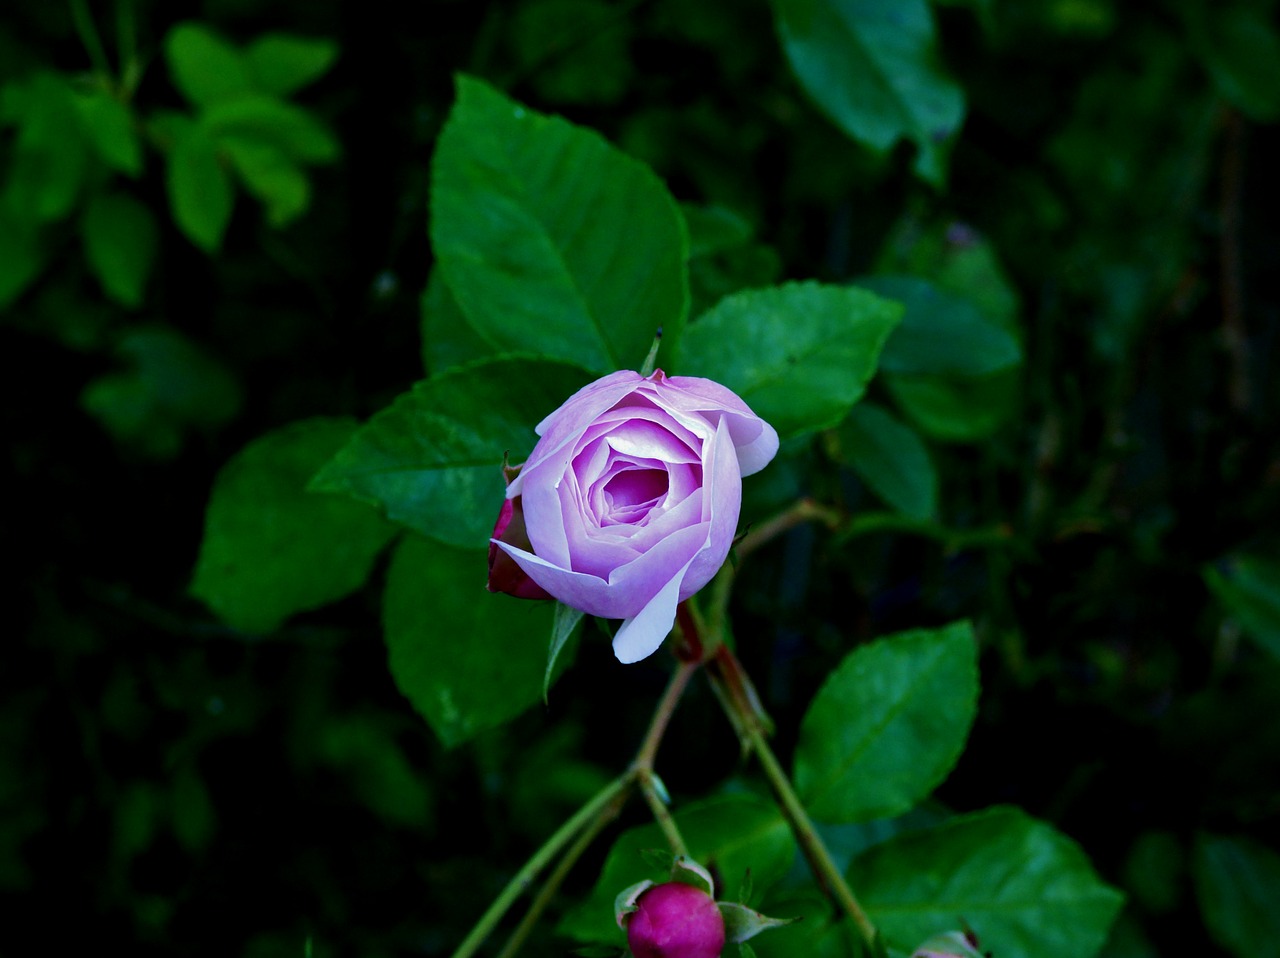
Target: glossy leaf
{"type": "Point", "coordinates": [200, 191]}
{"type": "Point", "coordinates": [1027, 890]}
{"type": "Point", "coordinates": [271, 548]}
{"type": "Point", "coordinates": [551, 240]}
{"type": "Point", "coordinates": [120, 237]}
{"type": "Point", "coordinates": [280, 64]}
{"type": "Point", "coordinates": [730, 835]}
{"type": "Point", "coordinates": [432, 460]}
{"type": "Point", "coordinates": [205, 68]}
{"type": "Point", "coordinates": [888, 724]}
{"type": "Point", "coordinates": [800, 355]}
{"type": "Point", "coordinates": [461, 656]}
{"type": "Point", "coordinates": [448, 340]}
{"type": "Point", "coordinates": [564, 625]}
{"type": "Point", "coordinates": [1249, 587]}
{"type": "Point", "coordinates": [890, 458]}
{"type": "Point", "coordinates": [1238, 884]}
{"type": "Point", "coordinates": [872, 66]}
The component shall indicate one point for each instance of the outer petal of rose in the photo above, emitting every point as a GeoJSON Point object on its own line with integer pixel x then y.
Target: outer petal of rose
{"type": "Point", "coordinates": [756, 440]}
{"type": "Point", "coordinates": [721, 504]}
{"type": "Point", "coordinates": [641, 635]}
{"type": "Point", "coordinates": [629, 587]}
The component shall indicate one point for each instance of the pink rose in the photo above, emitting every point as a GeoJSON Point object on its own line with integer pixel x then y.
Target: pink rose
{"type": "Point", "coordinates": [630, 500]}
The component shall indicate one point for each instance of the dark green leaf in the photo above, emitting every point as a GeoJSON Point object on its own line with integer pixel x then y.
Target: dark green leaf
{"type": "Point", "coordinates": [271, 122]}
{"type": "Point", "coordinates": [713, 229]}
{"type": "Point", "coordinates": [1027, 890]}
{"type": "Point", "coordinates": [432, 460]}
{"type": "Point", "coordinates": [271, 177]}
{"type": "Point", "coordinates": [1239, 45]}
{"type": "Point", "coordinates": [553, 242]}
{"type": "Point", "coordinates": [575, 51]}
{"type": "Point", "coordinates": [206, 69]}
{"type": "Point", "coordinates": [111, 131]}
{"type": "Point", "coordinates": [463, 657]}
{"type": "Point", "coordinates": [941, 334]}
{"type": "Point", "coordinates": [49, 158]}
{"type": "Point", "coordinates": [448, 340]}
{"type": "Point", "coordinates": [729, 835]}
{"type": "Point", "coordinates": [815, 935]}
{"type": "Point", "coordinates": [800, 355]}
{"type": "Point", "coordinates": [872, 66]}
{"type": "Point", "coordinates": [280, 64]}
{"type": "Point", "coordinates": [1238, 884]}
{"type": "Point", "coordinates": [21, 257]}
{"type": "Point", "coordinates": [200, 191]}
{"type": "Point", "coordinates": [956, 408]}
{"type": "Point", "coordinates": [888, 725]}
{"type": "Point", "coordinates": [563, 626]}
{"type": "Point", "coordinates": [890, 458]}
{"type": "Point", "coordinates": [1249, 587]}
{"type": "Point", "coordinates": [120, 237]}
{"type": "Point", "coordinates": [271, 548]}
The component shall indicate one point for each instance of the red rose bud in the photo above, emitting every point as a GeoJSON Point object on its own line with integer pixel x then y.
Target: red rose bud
{"type": "Point", "coordinates": [675, 920]}
{"type": "Point", "coordinates": [504, 574]}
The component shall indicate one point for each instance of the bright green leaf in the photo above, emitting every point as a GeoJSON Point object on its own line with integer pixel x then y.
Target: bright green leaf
{"type": "Point", "coordinates": [730, 835]}
{"type": "Point", "coordinates": [50, 158]}
{"type": "Point", "coordinates": [888, 725]}
{"type": "Point", "coordinates": [467, 660]}
{"type": "Point", "coordinates": [1026, 889]}
{"type": "Point", "coordinates": [448, 340]}
{"type": "Point", "coordinates": [200, 191]}
{"type": "Point", "coordinates": [941, 334]}
{"type": "Point", "coordinates": [271, 177]}
{"type": "Point", "coordinates": [563, 626]}
{"type": "Point", "coordinates": [206, 68]}
{"type": "Point", "coordinates": [552, 241]}
{"type": "Point", "coordinates": [890, 458]}
{"type": "Point", "coordinates": [1249, 587]}
{"type": "Point", "coordinates": [432, 459]}
{"type": "Point", "coordinates": [800, 355]}
{"type": "Point", "coordinates": [280, 64]}
{"type": "Point", "coordinates": [111, 131]}
{"type": "Point", "coordinates": [1238, 885]}
{"type": "Point", "coordinates": [271, 548]}
{"type": "Point", "coordinates": [271, 122]}
{"type": "Point", "coordinates": [120, 237]}
{"type": "Point", "coordinates": [872, 66]}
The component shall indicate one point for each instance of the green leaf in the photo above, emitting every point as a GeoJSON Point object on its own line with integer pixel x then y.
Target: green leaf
{"type": "Point", "coordinates": [730, 835]}
{"type": "Point", "coordinates": [1240, 47]}
{"type": "Point", "coordinates": [956, 408]}
{"type": "Point", "coordinates": [432, 459]}
{"type": "Point", "coordinates": [21, 257]}
{"type": "Point", "coordinates": [461, 656]}
{"type": "Point", "coordinates": [552, 241]}
{"type": "Point", "coordinates": [200, 191]}
{"type": "Point", "coordinates": [272, 549]}
{"type": "Point", "coordinates": [111, 132]}
{"type": "Point", "coordinates": [1027, 890]}
{"type": "Point", "coordinates": [941, 334]}
{"type": "Point", "coordinates": [814, 935]}
{"type": "Point", "coordinates": [271, 177]}
{"type": "Point", "coordinates": [120, 237]}
{"type": "Point", "coordinates": [872, 66]}
{"type": "Point", "coordinates": [49, 159]}
{"type": "Point", "coordinates": [281, 64]}
{"type": "Point", "coordinates": [448, 340]}
{"type": "Point", "coordinates": [271, 122]}
{"type": "Point", "coordinates": [714, 229]}
{"type": "Point", "coordinates": [888, 725]}
{"type": "Point", "coordinates": [800, 354]}
{"type": "Point", "coordinates": [206, 69]}
{"type": "Point", "coordinates": [563, 626]}
{"type": "Point", "coordinates": [890, 458]}
{"type": "Point", "coordinates": [1249, 586]}
{"type": "Point", "coordinates": [1238, 885]}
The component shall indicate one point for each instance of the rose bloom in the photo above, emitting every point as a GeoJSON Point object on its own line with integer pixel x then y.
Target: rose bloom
{"type": "Point", "coordinates": [629, 502]}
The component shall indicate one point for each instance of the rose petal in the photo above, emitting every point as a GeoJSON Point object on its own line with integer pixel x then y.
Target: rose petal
{"type": "Point", "coordinates": [721, 504]}
{"type": "Point", "coordinates": [640, 636]}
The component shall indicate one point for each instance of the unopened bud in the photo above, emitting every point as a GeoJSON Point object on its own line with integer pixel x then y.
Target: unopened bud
{"type": "Point", "coordinates": [674, 920]}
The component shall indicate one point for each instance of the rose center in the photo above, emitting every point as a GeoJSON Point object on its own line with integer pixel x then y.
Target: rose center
{"type": "Point", "coordinates": [630, 495]}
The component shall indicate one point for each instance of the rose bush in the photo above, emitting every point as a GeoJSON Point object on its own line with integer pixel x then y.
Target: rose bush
{"type": "Point", "coordinates": [629, 502]}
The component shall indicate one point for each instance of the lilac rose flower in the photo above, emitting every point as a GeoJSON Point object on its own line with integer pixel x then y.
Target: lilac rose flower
{"type": "Point", "coordinates": [630, 500]}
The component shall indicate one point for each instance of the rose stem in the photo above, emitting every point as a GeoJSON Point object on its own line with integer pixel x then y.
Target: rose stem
{"type": "Point", "coordinates": [642, 767]}
{"type": "Point", "coordinates": [729, 673]}
{"type": "Point", "coordinates": [588, 820]}
{"type": "Point", "coordinates": [597, 805]}
{"type": "Point", "coordinates": [557, 876]}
